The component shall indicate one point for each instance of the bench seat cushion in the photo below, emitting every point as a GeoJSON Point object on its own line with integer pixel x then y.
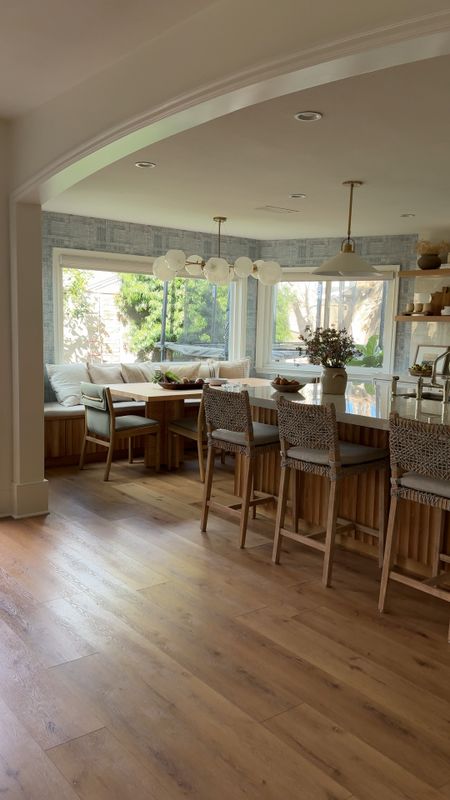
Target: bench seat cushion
{"type": "Point", "coordinates": [57, 411]}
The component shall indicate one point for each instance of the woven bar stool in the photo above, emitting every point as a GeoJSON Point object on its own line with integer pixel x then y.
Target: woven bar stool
{"type": "Point", "coordinates": [420, 466]}
{"type": "Point", "coordinates": [230, 429]}
{"type": "Point", "coordinates": [309, 443]}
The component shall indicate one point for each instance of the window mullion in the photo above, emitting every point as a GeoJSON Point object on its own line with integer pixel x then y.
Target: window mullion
{"type": "Point", "coordinates": [326, 305]}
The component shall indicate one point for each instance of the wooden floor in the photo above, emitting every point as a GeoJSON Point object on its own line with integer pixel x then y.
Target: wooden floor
{"type": "Point", "coordinates": [142, 660]}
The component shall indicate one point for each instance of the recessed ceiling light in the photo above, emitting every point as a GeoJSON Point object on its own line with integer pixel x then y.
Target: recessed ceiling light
{"type": "Point", "coordinates": [407, 215]}
{"type": "Point", "coordinates": [145, 164]}
{"type": "Point", "coordinates": [308, 116]}
{"type": "Point", "coordinates": [297, 196]}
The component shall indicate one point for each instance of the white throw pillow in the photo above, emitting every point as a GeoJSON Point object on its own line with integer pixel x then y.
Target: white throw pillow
{"type": "Point", "coordinates": [66, 382]}
{"type": "Point", "coordinates": [134, 373]}
{"type": "Point", "coordinates": [234, 369]}
{"type": "Point", "coordinates": [207, 369]}
{"type": "Point", "coordinates": [149, 368]}
{"type": "Point", "coordinates": [105, 373]}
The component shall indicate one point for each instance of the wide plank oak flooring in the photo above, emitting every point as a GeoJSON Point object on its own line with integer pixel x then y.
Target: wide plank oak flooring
{"type": "Point", "coordinates": [142, 660]}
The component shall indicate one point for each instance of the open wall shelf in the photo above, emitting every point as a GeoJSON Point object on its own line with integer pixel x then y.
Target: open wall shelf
{"type": "Point", "coordinates": [425, 273]}
{"type": "Point", "coordinates": [418, 318]}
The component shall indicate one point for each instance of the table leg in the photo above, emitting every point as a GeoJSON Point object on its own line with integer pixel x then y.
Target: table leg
{"type": "Point", "coordinates": [163, 412]}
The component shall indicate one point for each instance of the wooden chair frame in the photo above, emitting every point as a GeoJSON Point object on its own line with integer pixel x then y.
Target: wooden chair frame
{"type": "Point", "coordinates": [177, 432]}
{"type": "Point", "coordinates": [114, 436]}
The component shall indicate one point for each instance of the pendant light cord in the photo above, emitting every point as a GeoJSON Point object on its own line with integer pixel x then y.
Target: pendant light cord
{"type": "Point", "coordinates": [350, 208]}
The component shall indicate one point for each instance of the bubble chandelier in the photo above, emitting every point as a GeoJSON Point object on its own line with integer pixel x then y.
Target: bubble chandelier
{"type": "Point", "coordinates": [216, 270]}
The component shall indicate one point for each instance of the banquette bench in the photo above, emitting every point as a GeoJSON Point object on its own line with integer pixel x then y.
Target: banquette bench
{"type": "Point", "coordinates": [64, 416]}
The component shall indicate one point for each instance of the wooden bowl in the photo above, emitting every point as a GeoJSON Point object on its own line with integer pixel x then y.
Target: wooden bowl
{"type": "Point", "coordinates": [180, 386]}
{"type": "Point", "coordinates": [420, 373]}
{"type": "Point", "coordinates": [287, 387]}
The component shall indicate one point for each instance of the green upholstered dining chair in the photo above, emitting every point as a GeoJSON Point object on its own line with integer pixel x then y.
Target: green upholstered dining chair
{"type": "Point", "coordinates": [104, 426]}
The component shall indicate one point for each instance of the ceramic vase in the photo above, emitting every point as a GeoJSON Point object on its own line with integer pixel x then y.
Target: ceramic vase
{"type": "Point", "coordinates": [429, 261]}
{"type": "Point", "coordinates": [333, 380]}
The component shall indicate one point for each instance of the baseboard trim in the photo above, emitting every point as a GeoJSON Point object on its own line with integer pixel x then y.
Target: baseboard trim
{"type": "Point", "coordinates": [29, 499]}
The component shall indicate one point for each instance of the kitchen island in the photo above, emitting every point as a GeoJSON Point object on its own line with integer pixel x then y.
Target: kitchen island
{"type": "Point", "coordinates": [363, 418]}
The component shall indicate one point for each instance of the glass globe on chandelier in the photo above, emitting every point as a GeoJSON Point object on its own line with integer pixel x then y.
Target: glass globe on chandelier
{"type": "Point", "coordinates": [216, 270]}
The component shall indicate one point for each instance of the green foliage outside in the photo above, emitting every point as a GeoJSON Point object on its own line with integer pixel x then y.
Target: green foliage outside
{"type": "Point", "coordinates": [299, 306]}
{"type": "Point", "coordinates": [192, 315]}
{"type": "Point", "coordinates": [288, 303]}
{"type": "Point", "coordinates": [85, 335]}
{"type": "Point", "coordinates": [370, 354]}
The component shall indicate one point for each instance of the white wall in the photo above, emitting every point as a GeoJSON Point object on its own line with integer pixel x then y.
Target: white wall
{"type": "Point", "coordinates": [5, 327]}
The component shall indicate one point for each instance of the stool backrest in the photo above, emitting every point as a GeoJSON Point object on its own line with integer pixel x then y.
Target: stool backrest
{"type": "Point", "coordinates": [98, 407]}
{"type": "Point", "coordinates": [227, 410]}
{"type": "Point", "coordinates": [312, 427]}
{"type": "Point", "coordinates": [420, 447]}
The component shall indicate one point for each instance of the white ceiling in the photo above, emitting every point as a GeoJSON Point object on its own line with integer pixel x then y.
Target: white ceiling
{"type": "Point", "coordinates": [48, 46]}
{"type": "Point", "coordinates": [390, 129]}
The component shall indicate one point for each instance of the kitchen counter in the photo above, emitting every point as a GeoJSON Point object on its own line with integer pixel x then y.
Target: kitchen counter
{"type": "Point", "coordinates": [363, 418]}
{"type": "Point", "coordinates": [367, 404]}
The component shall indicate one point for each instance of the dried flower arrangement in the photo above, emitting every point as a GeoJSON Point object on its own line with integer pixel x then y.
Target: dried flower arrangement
{"type": "Point", "coordinates": [424, 247]}
{"type": "Point", "coordinates": [328, 347]}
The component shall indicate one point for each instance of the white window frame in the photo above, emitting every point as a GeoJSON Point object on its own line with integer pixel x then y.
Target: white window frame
{"type": "Point", "coordinates": [117, 262]}
{"type": "Point", "coordinates": [265, 319]}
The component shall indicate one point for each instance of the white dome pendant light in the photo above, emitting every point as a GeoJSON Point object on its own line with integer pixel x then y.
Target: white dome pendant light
{"type": "Point", "coordinates": [347, 263]}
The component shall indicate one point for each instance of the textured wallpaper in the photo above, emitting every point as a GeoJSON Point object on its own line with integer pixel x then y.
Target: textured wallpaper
{"type": "Point", "coordinates": [87, 233]}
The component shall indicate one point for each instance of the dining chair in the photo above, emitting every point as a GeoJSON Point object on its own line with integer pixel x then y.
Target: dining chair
{"type": "Point", "coordinates": [230, 429]}
{"type": "Point", "coordinates": [103, 426]}
{"type": "Point", "coordinates": [420, 467]}
{"type": "Point", "coordinates": [310, 444]}
{"type": "Point", "coordinates": [192, 428]}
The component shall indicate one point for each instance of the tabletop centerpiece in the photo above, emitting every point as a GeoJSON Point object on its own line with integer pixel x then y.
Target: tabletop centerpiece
{"type": "Point", "coordinates": [332, 349]}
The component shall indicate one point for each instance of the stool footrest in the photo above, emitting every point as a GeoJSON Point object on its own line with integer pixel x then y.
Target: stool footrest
{"type": "Point", "coordinates": [414, 583]}
{"type": "Point", "coordinates": [304, 538]}
{"type": "Point", "coordinates": [358, 526]}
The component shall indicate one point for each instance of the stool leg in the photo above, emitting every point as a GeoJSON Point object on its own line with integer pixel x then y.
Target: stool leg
{"type": "Point", "coordinates": [207, 489]}
{"type": "Point", "coordinates": [295, 499]}
{"type": "Point", "coordinates": [130, 450]}
{"type": "Point", "coordinates": [383, 511]}
{"type": "Point", "coordinates": [201, 458]}
{"type": "Point", "coordinates": [253, 494]}
{"type": "Point", "coordinates": [438, 547]}
{"type": "Point", "coordinates": [246, 494]}
{"type": "Point", "coordinates": [388, 559]}
{"type": "Point", "coordinates": [330, 533]}
{"type": "Point", "coordinates": [281, 511]}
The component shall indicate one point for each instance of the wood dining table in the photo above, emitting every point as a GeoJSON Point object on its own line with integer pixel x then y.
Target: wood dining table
{"type": "Point", "coordinates": [165, 405]}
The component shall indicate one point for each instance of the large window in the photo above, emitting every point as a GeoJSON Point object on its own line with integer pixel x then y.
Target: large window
{"type": "Point", "coordinates": [107, 315]}
{"type": "Point", "coordinates": [364, 308]}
